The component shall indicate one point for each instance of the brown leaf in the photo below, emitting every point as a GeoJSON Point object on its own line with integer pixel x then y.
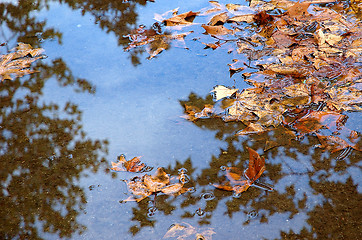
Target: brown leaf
{"type": "Point", "coordinates": [236, 67]}
{"type": "Point", "coordinates": [133, 165]}
{"type": "Point", "coordinates": [221, 92]}
{"type": "Point", "coordinates": [138, 189]}
{"type": "Point", "coordinates": [17, 63]}
{"type": "Point", "coordinates": [252, 128]}
{"type": "Point", "coordinates": [157, 181]}
{"type": "Point", "coordinates": [218, 19]}
{"type": "Point", "coordinates": [256, 166]}
{"type": "Point", "coordinates": [181, 19]}
{"type": "Point", "coordinates": [332, 143]}
{"type": "Point", "coordinates": [185, 231]}
{"type": "Point", "coordinates": [252, 173]}
{"type": "Point", "coordinates": [299, 11]}
{"type": "Point", "coordinates": [262, 18]}
{"type": "Point", "coordinates": [217, 30]}
{"type": "Point", "coordinates": [312, 121]}
{"type": "Point", "coordinates": [248, 18]}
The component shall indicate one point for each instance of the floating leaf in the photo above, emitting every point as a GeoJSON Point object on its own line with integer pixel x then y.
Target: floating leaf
{"type": "Point", "coordinates": [252, 173]}
{"type": "Point", "coordinates": [217, 30]}
{"type": "Point", "coordinates": [187, 232]}
{"type": "Point", "coordinates": [221, 92]}
{"type": "Point", "coordinates": [181, 19]}
{"type": "Point", "coordinates": [142, 187]}
{"type": "Point", "coordinates": [256, 166]}
{"type": "Point", "coordinates": [133, 165]}
{"type": "Point", "coordinates": [17, 63]}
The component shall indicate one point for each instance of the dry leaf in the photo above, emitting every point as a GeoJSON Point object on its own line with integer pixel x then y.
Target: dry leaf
{"type": "Point", "coordinates": [142, 187]}
{"type": "Point", "coordinates": [252, 173]}
{"type": "Point", "coordinates": [217, 30]}
{"type": "Point", "coordinates": [133, 165]}
{"type": "Point", "coordinates": [17, 63]}
{"type": "Point", "coordinates": [185, 231]}
{"type": "Point", "coordinates": [221, 92]}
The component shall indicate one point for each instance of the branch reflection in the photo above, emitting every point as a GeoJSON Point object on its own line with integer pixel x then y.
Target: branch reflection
{"type": "Point", "coordinates": [311, 186]}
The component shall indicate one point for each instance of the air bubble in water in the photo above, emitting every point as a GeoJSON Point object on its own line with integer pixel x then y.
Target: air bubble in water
{"type": "Point", "coordinates": [207, 196]}
{"type": "Point", "coordinates": [151, 211]}
{"type": "Point", "coordinates": [252, 214]}
{"type": "Point", "coordinates": [182, 170]}
{"type": "Point", "coordinates": [200, 212]}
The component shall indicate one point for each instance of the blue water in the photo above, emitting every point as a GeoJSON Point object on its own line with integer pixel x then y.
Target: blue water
{"type": "Point", "coordinates": [137, 110]}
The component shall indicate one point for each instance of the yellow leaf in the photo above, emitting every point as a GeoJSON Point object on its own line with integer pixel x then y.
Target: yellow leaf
{"type": "Point", "coordinates": [221, 91]}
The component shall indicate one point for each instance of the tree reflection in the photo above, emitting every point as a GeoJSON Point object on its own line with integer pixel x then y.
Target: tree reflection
{"type": "Point", "coordinates": [43, 152]}
{"type": "Point", "coordinates": [43, 149]}
{"type": "Point", "coordinates": [307, 182]}
{"type": "Point", "coordinates": [113, 16]}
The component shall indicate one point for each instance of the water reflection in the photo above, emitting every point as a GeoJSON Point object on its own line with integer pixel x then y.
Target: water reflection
{"type": "Point", "coordinates": [18, 21]}
{"type": "Point", "coordinates": [43, 149]}
{"type": "Point", "coordinates": [43, 152]}
{"type": "Point", "coordinates": [312, 188]}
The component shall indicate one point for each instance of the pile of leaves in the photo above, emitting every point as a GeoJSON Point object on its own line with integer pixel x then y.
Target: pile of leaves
{"type": "Point", "coordinates": [17, 63]}
{"type": "Point", "coordinates": [303, 66]}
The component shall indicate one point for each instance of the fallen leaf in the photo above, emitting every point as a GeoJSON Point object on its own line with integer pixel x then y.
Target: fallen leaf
{"type": "Point", "coordinates": [252, 173]}
{"type": "Point", "coordinates": [299, 11]}
{"type": "Point", "coordinates": [17, 63]}
{"type": "Point", "coordinates": [217, 30]}
{"type": "Point", "coordinates": [142, 187]}
{"type": "Point", "coordinates": [133, 165]}
{"type": "Point", "coordinates": [236, 67]}
{"type": "Point", "coordinates": [248, 18]}
{"type": "Point", "coordinates": [181, 19]}
{"type": "Point", "coordinates": [252, 128]}
{"type": "Point", "coordinates": [218, 19]}
{"type": "Point", "coordinates": [185, 231]}
{"type": "Point", "coordinates": [221, 92]}
{"type": "Point", "coordinates": [256, 166]}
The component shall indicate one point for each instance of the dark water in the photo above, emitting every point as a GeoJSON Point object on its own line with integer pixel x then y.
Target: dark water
{"type": "Point", "coordinates": [90, 102]}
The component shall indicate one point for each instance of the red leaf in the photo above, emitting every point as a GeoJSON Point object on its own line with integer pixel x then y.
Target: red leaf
{"type": "Point", "coordinates": [256, 166]}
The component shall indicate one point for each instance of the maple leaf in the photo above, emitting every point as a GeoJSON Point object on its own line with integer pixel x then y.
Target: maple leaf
{"type": "Point", "coordinates": [17, 63]}
{"type": "Point", "coordinates": [252, 173]}
{"type": "Point", "coordinates": [133, 165]}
